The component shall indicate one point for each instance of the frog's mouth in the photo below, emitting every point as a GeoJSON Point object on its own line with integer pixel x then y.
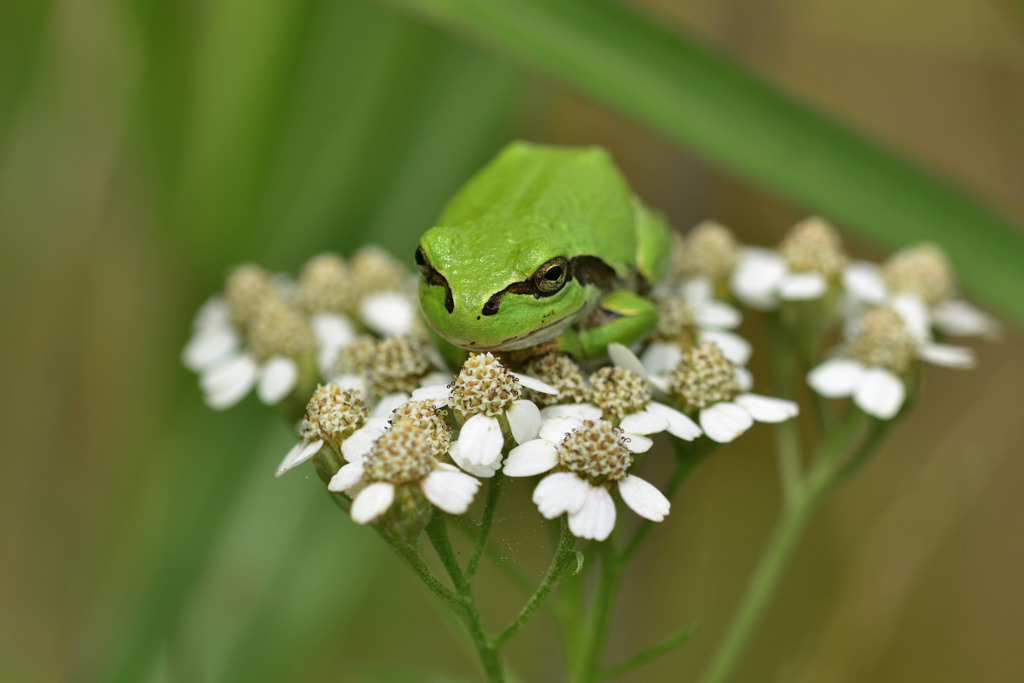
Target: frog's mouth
{"type": "Point", "coordinates": [531, 337]}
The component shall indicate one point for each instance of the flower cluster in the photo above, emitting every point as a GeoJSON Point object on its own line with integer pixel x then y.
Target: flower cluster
{"type": "Point", "coordinates": [399, 436]}
{"type": "Point", "coordinates": [888, 314]}
{"type": "Point", "coordinates": [282, 336]}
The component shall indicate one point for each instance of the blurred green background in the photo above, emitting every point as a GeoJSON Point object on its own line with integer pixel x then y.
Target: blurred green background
{"type": "Point", "coordinates": [145, 146]}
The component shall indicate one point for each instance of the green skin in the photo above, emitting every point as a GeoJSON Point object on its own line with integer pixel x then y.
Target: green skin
{"type": "Point", "coordinates": [545, 244]}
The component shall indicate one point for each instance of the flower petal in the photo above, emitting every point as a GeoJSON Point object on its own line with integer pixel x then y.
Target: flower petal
{"type": "Point", "coordinates": [389, 314]}
{"type": "Point", "coordinates": [234, 371]}
{"type": "Point", "coordinates": [576, 411]}
{"type": "Point", "coordinates": [637, 443]}
{"type": "Point", "coordinates": [735, 348]}
{"type": "Point", "coordinates": [679, 425]}
{"type": "Point", "coordinates": [378, 422]}
{"type": "Point", "coordinates": [880, 393]}
{"type": "Point", "coordinates": [698, 290]}
{"type": "Point", "coordinates": [836, 377]}
{"type": "Point", "coordinates": [560, 492]}
{"type": "Point", "coordinates": [450, 491]}
{"type": "Point", "coordinates": [485, 471]}
{"type": "Point", "coordinates": [213, 313]}
{"type": "Point", "coordinates": [960, 318]}
{"type": "Point", "coordinates": [717, 315]}
{"type": "Point", "coordinates": [356, 383]}
{"type": "Point", "coordinates": [535, 384]}
{"type": "Point", "coordinates": [229, 384]}
{"type": "Point", "coordinates": [660, 358]}
{"type": "Point", "coordinates": [756, 277]}
{"type": "Point", "coordinates": [947, 355]}
{"type": "Point", "coordinates": [744, 378]}
{"type": "Point", "coordinates": [208, 346]}
{"type": "Point", "coordinates": [347, 477]}
{"type": "Point", "coordinates": [277, 379]}
{"type": "Point", "coordinates": [530, 458]}
{"type": "Point", "coordinates": [438, 394]}
{"type": "Point", "coordinates": [660, 383]}
{"type": "Point", "coordinates": [915, 315]}
{"type": "Point", "coordinates": [480, 440]}
{"type": "Point", "coordinates": [557, 428]}
{"type": "Point", "coordinates": [372, 502]}
{"type": "Point", "coordinates": [803, 286]}
{"type": "Point", "coordinates": [863, 281]}
{"type": "Point", "coordinates": [625, 359]}
{"type": "Point", "coordinates": [333, 332]}
{"type": "Point", "coordinates": [596, 519]}
{"type": "Point", "coordinates": [389, 404]}
{"type": "Point", "coordinates": [644, 498]}
{"type": "Point", "coordinates": [767, 408]}
{"type": "Point", "coordinates": [358, 445]}
{"type": "Point", "coordinates": [724, 421]}
{"type": "Point", "coordinates": [436, 378]}
{"type": "Point", "coordinates": [523, 420]}
{"type": "Point", "coordinates": [331, 329]}
{"type": "Point", "coordinates": [644, 422]}
{"type": "Point", "coordinates": [300, 453]}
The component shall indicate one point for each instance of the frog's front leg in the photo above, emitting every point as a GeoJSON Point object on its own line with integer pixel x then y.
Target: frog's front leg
{"type": "Point", "coordinates": [623, 316]}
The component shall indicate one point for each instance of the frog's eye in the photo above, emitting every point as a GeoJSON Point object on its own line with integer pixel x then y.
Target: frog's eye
{"type": "Point", "coordinates": [422, 264]}
{"type": "Point", "coordinates": [432, 277]}
{"type": "Point", "coordinates": [552, 276]}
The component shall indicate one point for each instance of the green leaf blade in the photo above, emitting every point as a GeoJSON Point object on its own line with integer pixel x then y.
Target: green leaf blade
{"type": "Point", "coordinates": [704, 101]}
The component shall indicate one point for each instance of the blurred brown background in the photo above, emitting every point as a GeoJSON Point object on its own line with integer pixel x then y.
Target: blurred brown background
{"type": "Point", "coordinates": [146, 146]}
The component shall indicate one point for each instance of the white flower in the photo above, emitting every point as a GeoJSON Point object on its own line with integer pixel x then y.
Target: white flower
{"type": "Point", "coordinates": [485, 393]}
{"type": "Point", "coordinates": [714, 322]}
{"type": "Point", "coordinates": [228, 369]}
{"type": "Point", "coordinates": [726, 420]}
{"type": "Point", "coordinates": [706, 383]}
{"type": "Point", "coordinates": [226, 383]}
{"type": "Point", "coordinates": [626, 393]}
{"type": "Point", "coordinates": [882, 347]}
{"type": "Point", "coordinates": [761, 278]}
{"type": "Point", "coordinates": [432, 387]}
{"type": "Point", "coordinates": [806, 262]}
{"type": "Point", "coordinates": [592, 457]}
{"type": "Point", "coordinates": [334, 415]}
{"type": "Point", "coordinates": [389, 314]}
{"type": "Point", "coordinates": [213, 336]}
{"type": "Point", "coordinates": [399, 456]}
{"type": "Point", "coordinates": [333, 333]}
{"type": "Point", "coordinates": [923, 278]}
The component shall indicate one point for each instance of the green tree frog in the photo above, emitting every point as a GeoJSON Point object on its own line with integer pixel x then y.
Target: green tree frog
{"type": "Point", "coordinates": [544, 246]}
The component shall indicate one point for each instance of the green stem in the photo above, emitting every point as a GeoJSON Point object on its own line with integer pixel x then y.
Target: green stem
{"type": "Point", "coordinates": [879, 430]}
{"type": "Point", "coordinates": [600, 620]}
{"type": "Point", "coordinates": [688, 457]}
{"type": "Point", "coordinates": [486, 646]}
{"type": "Point", "coordinates": [506, 568]}
{"type": "Point", "coordinates": [490, 506]}
{"type": "Point", "coordinates": [569, 611]}
{"type": "Point", "coordinates": [564, 554]}
{"type": "Point", "coordinates": [327, 463]}
{"type": "Point", "coordinates": [787, 434]}
{"type": "Point", "coordinates": [437, 532]}
{"type": "Point", "coordinates": [781, 544]}
{"type": "Point", "coordinates": [415, 562]}
{"type": "Point", "coordinates": [647, 655]}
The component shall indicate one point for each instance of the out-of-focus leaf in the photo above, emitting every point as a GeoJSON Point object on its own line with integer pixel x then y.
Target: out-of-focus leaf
{"type": "Point", "coordinates": [374, 121]}
{"type": "Point", "coordinates": [702, 100]}
{"type": "Point", "coordinates": [22, 28]}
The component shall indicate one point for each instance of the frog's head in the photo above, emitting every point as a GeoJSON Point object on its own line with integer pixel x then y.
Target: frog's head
{"type": "Point", "coordinates": [509, 291]}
